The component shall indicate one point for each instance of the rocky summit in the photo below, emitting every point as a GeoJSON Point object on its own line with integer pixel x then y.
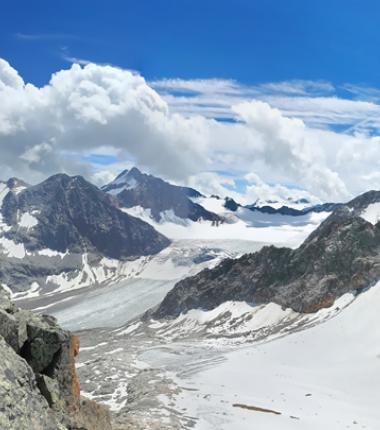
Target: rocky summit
{"type": "Point", "coordinates": [134, 188]}
{"type": "Point", "coordinates": [342, 255]}
{"type": "Point", "coordinates": [39, 387]}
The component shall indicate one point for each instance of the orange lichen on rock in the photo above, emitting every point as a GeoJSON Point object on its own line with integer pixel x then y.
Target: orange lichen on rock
{"type": "Point", "coordinates": [327, 302]}
{"type": "Point", "coordinates": [74, 351]}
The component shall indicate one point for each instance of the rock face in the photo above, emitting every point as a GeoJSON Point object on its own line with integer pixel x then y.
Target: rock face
{"type": "Point", "coordinates": [67, 213]}
{"type": "Point", "coordinates": [134, 188]}
{"type": "Point", "coordinates": [39, 388]}
{"type": "Point", "coordinates": [230, 204]}
{"type": "Point", "coordinates": [359, 203]}
{"type": "Point", "coordinates": [342, 255]}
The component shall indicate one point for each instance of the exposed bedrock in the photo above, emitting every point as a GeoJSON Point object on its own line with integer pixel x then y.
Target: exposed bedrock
{"type": "Point", "coordinates": [39, 386]}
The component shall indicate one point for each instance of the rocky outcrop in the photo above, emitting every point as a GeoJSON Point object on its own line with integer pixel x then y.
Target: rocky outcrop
{"type": "Point", "coordinates": [67, 213]}
{"type": "Point", "coordinates": [230, 204]}
{"type": "Point", "coordinates": [342, 255]}
{"type": "Point", "coordinates": [134, 188]}
{"type": "Point", "coordinates": [39, 387]}
{"type": "Point", "coordinates": [15, 184]}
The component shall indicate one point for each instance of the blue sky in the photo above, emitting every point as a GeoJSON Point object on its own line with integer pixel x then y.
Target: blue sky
{"type": "Point", "coordinates": [250, 41]}
{"type": "Point", "coordinates": [247, 98]}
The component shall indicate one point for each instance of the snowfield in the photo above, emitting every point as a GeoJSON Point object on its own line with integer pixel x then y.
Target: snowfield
{"type": "Point", "coordinates": [203, 371]}
{"type": "Point", "coordinates": [27, 221]}
{"type": "Point", "coordinates": [372, 213]}
{"type": "Point", "coordinates": [244, 224]}
{"type": "Point", "coordinates": [325, 377]}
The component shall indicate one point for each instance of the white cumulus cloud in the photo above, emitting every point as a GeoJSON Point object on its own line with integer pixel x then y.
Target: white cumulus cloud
{"type": "Point", "coordinates": [102, 110]}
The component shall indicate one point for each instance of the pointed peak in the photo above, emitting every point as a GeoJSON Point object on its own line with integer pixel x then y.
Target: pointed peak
{"type": "Point", "coordinates": [134, 169]}
{"type": "Point", "coordinates": [127, 173]}
{"type": "Point", "coordinates": [135, 172]}
{"type": "Point", "coordinates": [127, 179]}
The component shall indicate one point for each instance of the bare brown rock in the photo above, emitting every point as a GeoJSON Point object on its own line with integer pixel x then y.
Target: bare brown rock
{"type": "Point", "coordinates": [74, 351]}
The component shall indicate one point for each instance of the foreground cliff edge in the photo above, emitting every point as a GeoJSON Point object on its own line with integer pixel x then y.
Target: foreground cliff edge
{"type": "Point", "coordinates": [39, 387]}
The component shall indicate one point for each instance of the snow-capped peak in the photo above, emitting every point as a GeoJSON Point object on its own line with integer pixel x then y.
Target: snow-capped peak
{"type": "Point", "coordinates": [126, 180]}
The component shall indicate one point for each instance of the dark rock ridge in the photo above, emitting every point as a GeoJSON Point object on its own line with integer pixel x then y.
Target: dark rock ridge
{"type": "Point", "coordinates": [359, 203]}
{"type": "Point", "coordinates": [134, 188]}
{"type": "Point", "coordinates": [39, 387]}
{"type": "Point", "coordinates": [74, 215]}
{"type": "Point", "coordinates": [286, 210]}
{"type": "Point", "coordinates": [342, 255]}
{"type": "Point", "coordinates": [230, 204]}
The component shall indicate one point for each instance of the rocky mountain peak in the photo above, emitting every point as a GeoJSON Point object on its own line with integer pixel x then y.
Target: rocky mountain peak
{"type": "Point", "coordinates": [134, 188]}
{"type": "Point", "coordinates": [135, 172]}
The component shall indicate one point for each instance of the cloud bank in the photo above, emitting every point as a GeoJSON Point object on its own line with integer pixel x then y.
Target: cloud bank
{"type": "Point", "coordinates": [95, 120]}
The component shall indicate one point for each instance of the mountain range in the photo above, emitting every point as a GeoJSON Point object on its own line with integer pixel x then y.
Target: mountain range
{"type": "Point", "coordinates": [165, 279]}
{"type": "Point", "coordinates": [62, 229]}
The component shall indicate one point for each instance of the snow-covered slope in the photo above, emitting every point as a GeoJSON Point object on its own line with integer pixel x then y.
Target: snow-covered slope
{"type": "Point", "coordinates": [242, 367]}
{"type": "Point", "coordinates": [243, 225]}
{"type": "Point", "coordinates": [326, 377]}
{"type": "Point", "coordinates": [371, 213]}
{"type": "Point", "coordinates": [235, 323]}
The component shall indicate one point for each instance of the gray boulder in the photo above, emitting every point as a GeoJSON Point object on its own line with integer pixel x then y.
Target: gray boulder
{"type": "Point", "coordinates": [39, 387]}
{"type": "Point", "coordinates": [22, 406]}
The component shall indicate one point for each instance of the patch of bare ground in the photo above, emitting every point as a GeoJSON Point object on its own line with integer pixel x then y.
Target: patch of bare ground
{"type": "Point", "coordinates": [255, 408]}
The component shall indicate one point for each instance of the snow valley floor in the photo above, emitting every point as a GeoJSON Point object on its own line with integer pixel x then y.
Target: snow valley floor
{"type": "Point", "coordinates": [301, 372]}
{"type": "Point", "coordinates": [326, 377]}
